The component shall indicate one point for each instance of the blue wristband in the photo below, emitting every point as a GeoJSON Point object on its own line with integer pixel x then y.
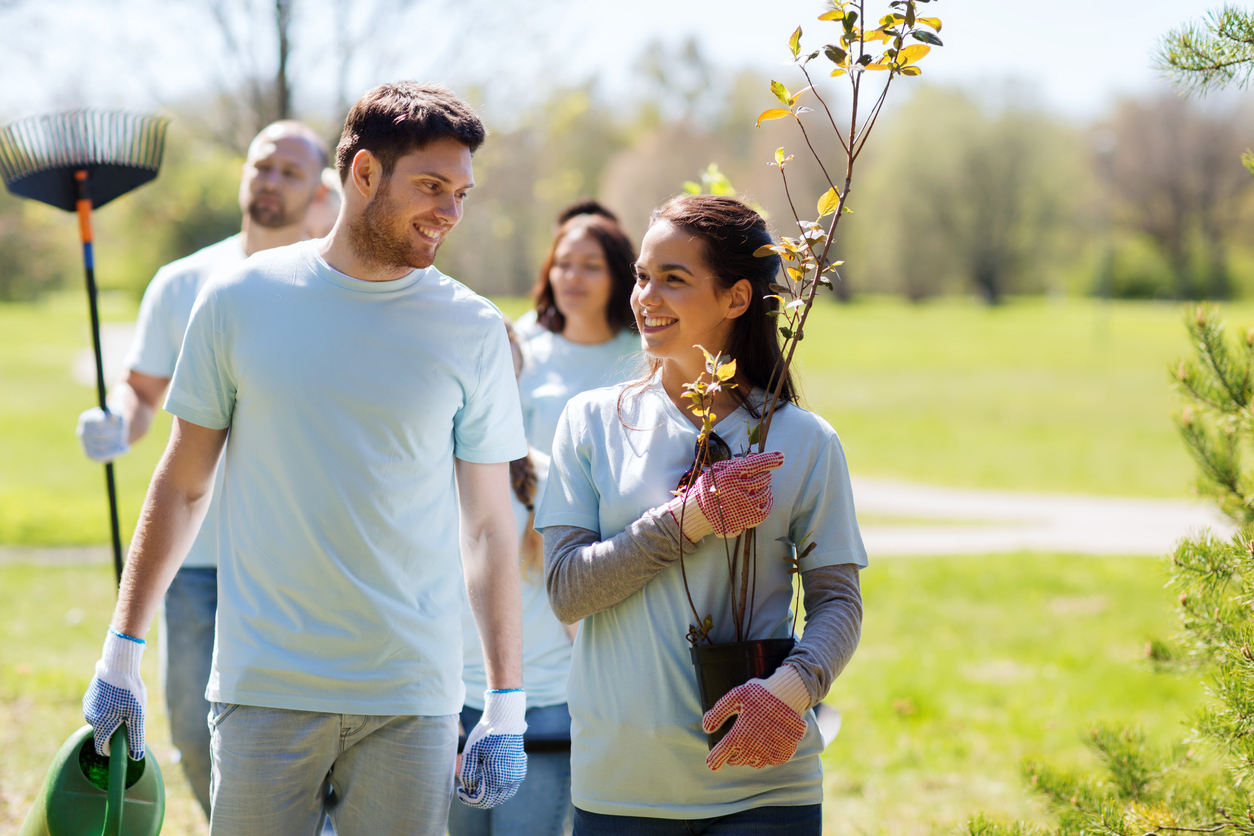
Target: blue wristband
{"type": "Point", "coordinates": [128, 638]}
{"type": "Point", "coordinates": [493, 691]}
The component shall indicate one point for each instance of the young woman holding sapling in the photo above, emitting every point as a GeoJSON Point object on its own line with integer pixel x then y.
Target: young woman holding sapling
{"type": "Point", "coordinates": [612, 533]}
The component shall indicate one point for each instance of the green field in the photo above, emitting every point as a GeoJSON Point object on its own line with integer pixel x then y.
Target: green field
{"type": "Point", "coordinates": [1040, 395]}
{"type": "Point", "coordinates": [965, 665]}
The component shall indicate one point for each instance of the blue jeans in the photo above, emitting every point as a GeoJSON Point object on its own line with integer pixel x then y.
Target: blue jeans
{"type": "Point", "coordinates": [793, 821]}
{"type": "Point", "coordinates": [541, 807]}
{"type": "Point", "coordinates": [275, 772]}
{"type": "Point", "coordinates": [187, 624]}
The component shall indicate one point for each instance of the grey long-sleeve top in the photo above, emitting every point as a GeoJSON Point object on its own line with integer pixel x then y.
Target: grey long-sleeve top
{"type": "Point", "coordinates": [585, 575]}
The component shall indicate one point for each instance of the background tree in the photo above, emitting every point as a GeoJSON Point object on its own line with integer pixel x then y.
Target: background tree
{"type": "Point", "coordinates": [1177, 176]}
{"type": "Point", "coordinates": [989, 198]}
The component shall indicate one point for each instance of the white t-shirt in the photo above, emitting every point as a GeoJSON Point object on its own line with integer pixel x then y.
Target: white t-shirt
{"type": "Point", "coordinates": [339, 572]}
{"type": "Point", "coordinates": [637, 744]}
{"type": "Point", "coordinates": [163, 316]}
{"type": "Point", "coordinates": [527, 325]}
{"type": "Point", "coordinates": [546, 644]}
{"type": "Point", "coordinates": [556, 369]}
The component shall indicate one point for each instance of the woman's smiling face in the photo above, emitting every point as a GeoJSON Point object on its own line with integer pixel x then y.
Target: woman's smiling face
{"type": "Point", "coordinates": [677, 300]}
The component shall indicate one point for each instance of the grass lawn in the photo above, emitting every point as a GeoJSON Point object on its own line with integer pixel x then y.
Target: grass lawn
{"type": "Point", "coordinates": [965, 666]}
{"type": "Point", "coordinates": [1035, 395]}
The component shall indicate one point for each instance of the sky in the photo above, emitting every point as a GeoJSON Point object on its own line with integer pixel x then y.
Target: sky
{"type": "Point", "coordinates": [1073, 56]}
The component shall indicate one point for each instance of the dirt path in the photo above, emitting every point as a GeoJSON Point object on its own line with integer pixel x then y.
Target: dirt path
{"type": "Point", "coordinates": [940, 521]}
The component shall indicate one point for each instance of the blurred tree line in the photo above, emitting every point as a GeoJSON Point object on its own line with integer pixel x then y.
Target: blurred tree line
{"type": "Point", "coordinates": [1001, 196]}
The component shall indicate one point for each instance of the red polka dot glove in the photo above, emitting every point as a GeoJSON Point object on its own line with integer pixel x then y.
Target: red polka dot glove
{"type": "Point", "coordinates": [768, 723]}
{"type": "Point", "coordinates": [728, 497]}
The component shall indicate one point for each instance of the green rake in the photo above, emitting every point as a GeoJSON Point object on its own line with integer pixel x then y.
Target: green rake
{"type": "Point", "coordinates": [78, 160]}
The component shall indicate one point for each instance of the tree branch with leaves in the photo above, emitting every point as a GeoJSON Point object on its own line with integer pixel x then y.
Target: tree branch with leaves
{"type": "Point", "coordinates": [891, 48]}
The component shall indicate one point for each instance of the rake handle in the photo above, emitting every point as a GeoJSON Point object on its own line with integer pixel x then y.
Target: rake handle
{"type": "Point", "coordinates": [83, 207]}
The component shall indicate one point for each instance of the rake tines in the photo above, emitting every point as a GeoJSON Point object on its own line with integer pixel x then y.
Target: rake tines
{"type": "Point", "coordinates": [118, 150]}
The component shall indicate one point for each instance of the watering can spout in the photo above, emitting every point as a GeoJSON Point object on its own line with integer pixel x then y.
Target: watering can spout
{"type": "Point", "coordinates": [86, 795]}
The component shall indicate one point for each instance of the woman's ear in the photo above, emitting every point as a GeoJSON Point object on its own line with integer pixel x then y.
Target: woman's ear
{"type": "Point", "coordinates": [739, 296]}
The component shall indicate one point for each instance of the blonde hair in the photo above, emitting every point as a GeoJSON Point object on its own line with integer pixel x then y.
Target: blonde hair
{"type": "Point", "coordinates": [522, 478]}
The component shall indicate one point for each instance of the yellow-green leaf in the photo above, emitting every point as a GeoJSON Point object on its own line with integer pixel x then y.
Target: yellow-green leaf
{"type": "Point", "coordinates": [910, 71]}
{"type": "Point", "coordinates": [780, 91]}
{"type": "Point", "coordinates": [828, 203]}
{"type": "Point", "coordinates": [934, 22]}
{"type": "Point", "coordinates": [912, 53]}
{"type": "Point", "coordinates": [876, 67]}
{"type": "Point", "coordinates": [779, 156]}
{"type": "Point", "coordinates": [834, 14]}
{"type": "Point", "coordinates": [773, 113]}
{"type": "Point", "coordinates": [794, 274]}
{"type": "Point", "coordinates": [837, 73]}
{"type": "Point", "coordinates": [794, 43]}
{"type": "Point", "coordinates": [727, 371]}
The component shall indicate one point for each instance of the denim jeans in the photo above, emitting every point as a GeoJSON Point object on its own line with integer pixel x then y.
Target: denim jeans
{"type": "Point", "coordinates": [187, 623]}
{"type": "Point", "coordinates": [541, 807]}
{"type": "Point", "coordinates": [793, 821]}
{"type": "Point", "coordinates": [276, 770]}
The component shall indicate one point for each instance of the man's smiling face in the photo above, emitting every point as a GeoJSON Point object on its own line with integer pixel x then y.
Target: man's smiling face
{"type": "Point", "coordinates": [413, 210]}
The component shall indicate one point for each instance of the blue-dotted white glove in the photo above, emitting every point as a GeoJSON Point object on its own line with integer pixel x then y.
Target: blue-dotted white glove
{"type": "Point", "coordinates": [117, 695]}
{"type": "Point", "coordinates": [102, 434]}
{"type": "Point", "coordinates": [493, 762]}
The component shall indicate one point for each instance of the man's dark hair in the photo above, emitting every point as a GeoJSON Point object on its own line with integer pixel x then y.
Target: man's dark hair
{"type": "Point", "coordinates": [587, 206]}
{"type": "Point", "coordinates": [393, 120]}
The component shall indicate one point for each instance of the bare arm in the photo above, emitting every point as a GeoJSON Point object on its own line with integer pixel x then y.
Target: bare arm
{"type": "Point", "coordinates": [490, 558]}
{"type": "Point", "coordinates": [173, 511]}
{"type": "Point", "coordinates": [137, 399]}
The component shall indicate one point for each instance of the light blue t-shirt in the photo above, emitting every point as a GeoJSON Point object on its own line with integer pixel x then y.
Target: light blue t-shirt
{"type": "Point", "coordinates": [546, 644]}
{"type": "Point", "coordinates": [637, 744]}
{"type": "Point", "coordinates": [556, 369]}
{"type": "Point", "coordinates": [339, 572]}
{"type": "Point", "coordinates": [163, 316]}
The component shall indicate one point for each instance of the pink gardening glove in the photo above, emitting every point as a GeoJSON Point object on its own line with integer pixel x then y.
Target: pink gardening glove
{"type": "Point", "coordinates": [769, 724]}
{"type": "Point", "coordinates": [728, 497]}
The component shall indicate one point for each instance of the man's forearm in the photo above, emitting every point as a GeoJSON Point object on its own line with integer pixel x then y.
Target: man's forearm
{"type": "Point", "coordinates": [174, 508]}
{"type": "Point", "coordinates": [494, 588]}
{"type": "Point", "coordinates": [137, 399]}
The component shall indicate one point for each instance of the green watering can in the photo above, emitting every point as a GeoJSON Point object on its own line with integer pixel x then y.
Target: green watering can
{"type": "Point", "coordinates": [87, 795]}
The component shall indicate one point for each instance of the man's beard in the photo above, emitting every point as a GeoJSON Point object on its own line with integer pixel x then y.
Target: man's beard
{"type": "Point", "coordinates": [375, 239]}
{"type": "Point", "coordinates": [271, 217]}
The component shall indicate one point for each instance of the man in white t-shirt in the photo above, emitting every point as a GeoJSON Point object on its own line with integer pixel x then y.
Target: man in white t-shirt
{"type": "Point", "coordinates": [280, 182]}
{"type": "Point", "coordinates": [372, 415]}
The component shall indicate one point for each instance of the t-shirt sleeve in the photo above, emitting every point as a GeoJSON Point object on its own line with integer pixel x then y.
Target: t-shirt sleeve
{"type": "Point", "coordinates": [155, 348]}
{"type": "Point", "coordinates": [825, 512]}
{"type": "Point", "coordinates": [570, 495]}
{"type": "Point", "coordinates": [488, 428]}
{"type": "Point", "coordinates": [203, 388]}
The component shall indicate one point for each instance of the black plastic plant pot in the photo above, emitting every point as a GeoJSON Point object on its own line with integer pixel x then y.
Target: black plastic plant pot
{"type": "Point", "coordinates": [722, 667]}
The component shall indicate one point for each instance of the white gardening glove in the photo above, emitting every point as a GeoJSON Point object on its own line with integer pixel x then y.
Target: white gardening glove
{"type": "Point", "coordinates": [103, 434]}
{"type": "Point", "coordinates": [493, 762]}
{"type": "Point", "coordinates": [117, 695]}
